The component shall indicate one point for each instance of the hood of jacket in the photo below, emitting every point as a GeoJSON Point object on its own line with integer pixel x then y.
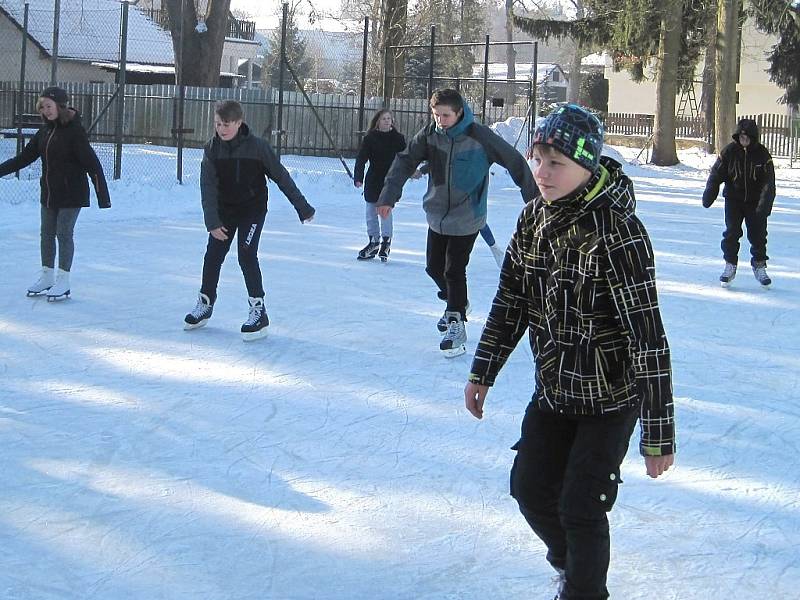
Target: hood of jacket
{"type": "Point", "coordinates": [608, 188]}
{"type": "Point", "coordinates": [75, 117]}
{"type": "Point", "coordinates": [747, 127]}
{"type": "Point", "coordinates": [459, 128]}
{"type": "Point", "coordinates": [238, 139]}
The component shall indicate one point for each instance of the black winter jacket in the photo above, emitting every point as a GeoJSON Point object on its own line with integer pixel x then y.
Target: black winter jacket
{"type": "Point", "coordinates": [67, 158]}
{"type": "Point", "coordinates": [379, 148]}
{"type": "Point", "coordinates": [579, 276]}
{"type": "Point", "coordinates": [747, 172]}
{"type": "Point", "coordinates": [233, 179]}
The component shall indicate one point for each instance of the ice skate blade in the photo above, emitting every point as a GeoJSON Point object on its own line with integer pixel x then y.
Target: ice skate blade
{"type": "Point", "coordinates": [384, 259]}
{"type": "Point", "coordinates": [198, 325]}
{"type": "Point", "coordinates": [725, 284]}
{"type": "Point", "coordinates": [365, 257]}
{"type": "Point", "coordinates": [31, 294]}
{"type": "Point", "coordinates": [58, 298]}
{"type": "Point", "coordinates": [252, 336]}
{"type": "Point", "coordinates": [453, 352]}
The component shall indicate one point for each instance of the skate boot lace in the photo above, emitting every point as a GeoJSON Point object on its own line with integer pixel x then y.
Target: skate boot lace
{"type": "Point", "coordinates": [761, 271]}
{"type": "Point", "coordinates": [455, 332]}
{"type": "Point", "coordinates": [255, 314]}
{"type": "Point", "coordinates": [200, 309]}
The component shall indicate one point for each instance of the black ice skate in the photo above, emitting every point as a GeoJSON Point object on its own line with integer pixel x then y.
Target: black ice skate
{"type": "Point", "coordinates": [454, 342]}
{"type": "Point", "coordinates": [760, 272]}
{"type": "Point", "coordinates": [727, 275]}
{"type": "Point", "coordinates": [256, 325]}
{"type": "Point", "coordinates": [201, 313]}
{"type": "Point", "coordinates": [370, 250]}
{"type": "Point", "coordinates": [442, 325]}
{"type": "Point", "coordinates": [386, 247]}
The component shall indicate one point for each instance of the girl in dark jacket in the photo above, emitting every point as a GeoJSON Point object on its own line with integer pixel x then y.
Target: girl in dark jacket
{"type": "Point", "coordinates": [379, 147]}
{"type": "Point", "coordinates": [745, 167]}
{"type": "Point", "coordinates": [67, 158]}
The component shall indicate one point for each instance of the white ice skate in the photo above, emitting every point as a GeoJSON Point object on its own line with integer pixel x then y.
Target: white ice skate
{"type": "Point", "coordinates": [47, 278]}
{"type": "Point", "coordinates": [60, 289]}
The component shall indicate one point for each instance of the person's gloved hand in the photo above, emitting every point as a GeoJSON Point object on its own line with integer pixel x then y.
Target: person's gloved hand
{"type": "Point", "coordinates": [708, 200]}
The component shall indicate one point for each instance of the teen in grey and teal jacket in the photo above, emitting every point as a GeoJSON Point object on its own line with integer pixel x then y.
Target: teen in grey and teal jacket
{"type": "Point", "coordinates": [459, 159]}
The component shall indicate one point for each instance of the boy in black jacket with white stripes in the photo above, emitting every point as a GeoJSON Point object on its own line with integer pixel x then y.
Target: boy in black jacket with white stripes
{"type": "Point", "coordinates": [578, 275]}
{"type": "Point", "coordinates": [233, 186]}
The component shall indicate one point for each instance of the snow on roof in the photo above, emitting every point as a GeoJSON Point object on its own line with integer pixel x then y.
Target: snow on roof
{"type": "Point", "coordinates": [523, 71]}
{"type": "Point", "coordinates": [598, 59]}
{"type": "Point", "coordinates": [89, 30]}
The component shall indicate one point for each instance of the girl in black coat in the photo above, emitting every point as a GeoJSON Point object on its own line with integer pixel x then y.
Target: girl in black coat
{"type": "Point", "coordinates": [379, 147]}
{"type": "Point", "coordinates": [67, 159]}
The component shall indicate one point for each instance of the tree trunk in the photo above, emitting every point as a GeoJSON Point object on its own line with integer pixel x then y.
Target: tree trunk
{"type": "Point", "coordinates": [709, 75]}
{"type": "Point", "coordinates": [394, 28]}
{"type": "Point", "coordinates": [199, 62]}
{"type": "Point", "coordinates": [664, 151]}
{"type": "Point", "coordinates": [511, 53]}
{"type": "Point", "coordinates": [574, 87]}
{"type": "Point", "coordinates": [575, 76]}
{"type": "Point", "coordinates": [727, 71]}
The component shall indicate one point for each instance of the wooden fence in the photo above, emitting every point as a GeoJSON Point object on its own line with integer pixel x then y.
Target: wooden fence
{"type": "Point", "coordinates": [150, 117]}
{"type": "Point", "coordinates": [779, 133]}
{"type": "Point", "coordinates": [150, 114]}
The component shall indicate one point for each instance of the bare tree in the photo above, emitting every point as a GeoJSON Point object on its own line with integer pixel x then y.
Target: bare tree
{"type": "Point", "coordinates": [198, 62]}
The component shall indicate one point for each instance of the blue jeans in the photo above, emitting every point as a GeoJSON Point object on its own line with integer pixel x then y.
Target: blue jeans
{"type": "Point", "coordinates": [565, 478]}
{"type": "Point", "coordinates": [373, 230]}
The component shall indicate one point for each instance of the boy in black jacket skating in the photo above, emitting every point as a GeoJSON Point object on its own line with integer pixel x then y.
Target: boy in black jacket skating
{"type": "Point", "coordinates": [233, 186]}
{"type": "Point", "coordinates": [745, 167]}
{"type": "Point", "coordinates": [578, 276]}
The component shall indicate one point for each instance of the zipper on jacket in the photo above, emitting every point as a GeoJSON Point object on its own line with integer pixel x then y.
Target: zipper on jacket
{"type": "Point", "coordinates": [47, 167]}
{"type": "Point", "coordinates": [745, 175]}
{"type": "Point", "coordinates": [449, 178]}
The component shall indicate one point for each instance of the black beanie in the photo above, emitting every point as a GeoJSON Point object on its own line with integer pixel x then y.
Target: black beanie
{"type": "Point", "coordinates": [573, 131]}
{"type": "Point", "coordinates": [56, 94]}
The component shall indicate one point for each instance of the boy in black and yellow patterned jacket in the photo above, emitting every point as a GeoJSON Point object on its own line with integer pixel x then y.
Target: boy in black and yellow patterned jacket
{"type": "Point", "coordinates": [579, 276]}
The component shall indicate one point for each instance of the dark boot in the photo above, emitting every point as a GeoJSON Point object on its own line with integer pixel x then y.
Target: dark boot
{"type": "Point", "coordinates": [386, 247]}
{"type": "Point", "coordinates": [370, 250]}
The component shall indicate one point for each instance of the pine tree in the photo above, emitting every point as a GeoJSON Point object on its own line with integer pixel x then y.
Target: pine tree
{"type": "Point", "coordinates": [295, 55]}
{"type": "Point", "coordinates": [638, 33]}
{"type": "Point", "coordinates": [782, 18]}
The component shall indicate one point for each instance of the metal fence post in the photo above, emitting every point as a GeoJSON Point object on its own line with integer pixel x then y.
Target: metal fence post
{"type": "Point", "coordinates": [485, 79]}
{"type": "Point", "coordinates": [123, 62]}
{"type": "Point", "coordinates": [54, 57]}
{"type": "Point", "coordinates": [534, 100]}
{"type": "Point", "coordinates": [179, 79]}
{"type": "Point", "coordinates": [385, 77]}
{"type": "Point", "coordinates": [433, 55]}
{"type": "Point", "coordinates": [281, 65]}
{"type": "Point", "coordinates": [363, 80]}
{"type": "Point", "coordinates": [21, 103]}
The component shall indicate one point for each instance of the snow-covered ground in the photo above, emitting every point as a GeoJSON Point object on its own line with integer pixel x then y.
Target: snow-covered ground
{"type": "Point", "coordinates": [334, 459]}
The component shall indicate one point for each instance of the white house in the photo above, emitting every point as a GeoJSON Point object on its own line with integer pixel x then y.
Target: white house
{"type": "Point", "coordinates": [88, 40]}
{"type": "Point", "coordinates": [88, 44]}
{"type": "Point", "coordinates": [756, 93]}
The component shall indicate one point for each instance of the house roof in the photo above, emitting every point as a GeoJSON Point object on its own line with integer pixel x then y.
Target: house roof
{"type": "Point", "coordinates": [89, 30]}
{"type": "Point", "coordinates": [523, 71]}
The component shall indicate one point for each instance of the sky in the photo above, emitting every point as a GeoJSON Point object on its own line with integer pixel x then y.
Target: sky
{"type": "Point", "coordinates": [334, 459]}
